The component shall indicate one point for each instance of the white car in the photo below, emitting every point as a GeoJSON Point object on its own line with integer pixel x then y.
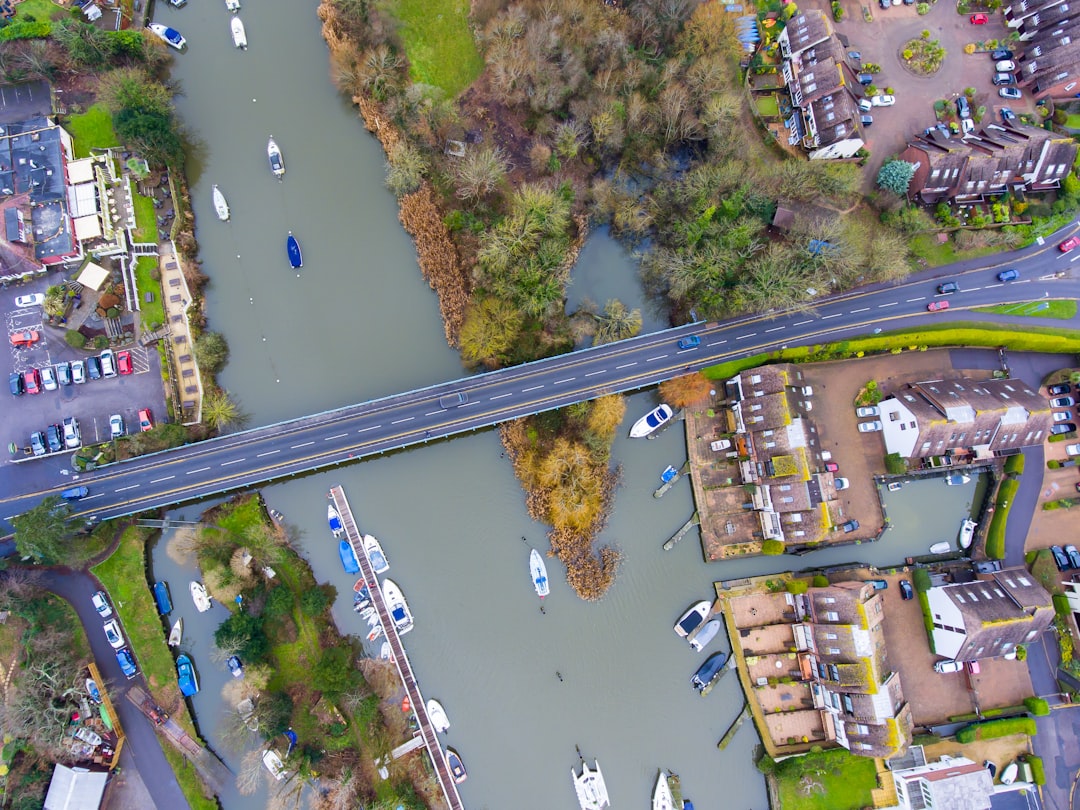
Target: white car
{"type": "Point", "coordinates": [841, 484]}
{"type": "Point", "coordinates": [78, 372]}
{"type": "Point", "coordinates": [867, 410]}
{"type": "Point", "coordinates": [948, 666]}
{"type": "Point", "coordinates": [72, 434]}
{"type": "Point", "coordinates": [1062, 416]}
{"type": "Point", "coordinates": [116, 426]}
{"type": "Point", "coordinates": [869, 427]}
{"type": "Point", "coordinates": [1005, 66]}
{"type": "Point", "coordinates": [883, 100]}
{"type": "Point", "coordinates": [112, 633]}
{"type": "Point", "coordinates": [967, 125]}
{"type": "Point", "coordinates": [31, 300]}
{"type": "Point", "coordinates": [101, 604]}
{"type": "Point", "coordinates": [48, 379]}
{"type": "Point", "coordinates": [1072, 449]}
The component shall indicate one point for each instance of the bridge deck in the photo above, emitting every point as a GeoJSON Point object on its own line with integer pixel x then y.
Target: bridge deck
{"type": "Point", "coordinates": [427, 731]}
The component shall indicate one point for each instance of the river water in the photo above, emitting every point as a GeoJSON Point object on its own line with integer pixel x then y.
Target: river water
{"type": "Point", "coordinates": [360, 323]}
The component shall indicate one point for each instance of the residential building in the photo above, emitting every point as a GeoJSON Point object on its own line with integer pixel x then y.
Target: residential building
{"type": "Point", "coordinates": [989, 617]}
{"type": "Point", "coordinates": [75, 788]}
{"type": "Point", "coordinates": [1050, 64]}
{"type": "Point", "coordinates": [953, 782]}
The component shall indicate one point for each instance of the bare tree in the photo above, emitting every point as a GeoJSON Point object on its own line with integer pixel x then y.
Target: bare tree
{"type": "Point", "coordinates": [480, 172]}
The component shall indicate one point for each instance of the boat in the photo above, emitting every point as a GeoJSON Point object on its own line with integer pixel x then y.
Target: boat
{"type": "Point", "coordinates": [246, 709]}
{"type": "Point", "coordinates": [651, 421]}
{"type": "Point", "coordinates": [437, 715]}
{"type": "Point", "coordinates": [292, 247]}
{"type": "Point", "coordinates": [668, 474]}
{"type": "Point", "coordinates": [277, 516]}
{"type": "Point", "coordinates": [93, 691]}
{"type": "Point", "coordinates": [199, 596]}
{"type": "Point", "coordinates": [690, 620]}
{"type": "Point", "coordinates": [360, 591]}
{"type": "Point", "coordinates": [704, 634]}
{"type": "Point", "coordinates": [967, 532]}
{"type": "Point", "coordinates": [273, 763]}
{"type": "Point", "coordinates": [397, 606]}
{"type": "Point", "coordinates": [348, 557]}
{"type": "Point", "coordinates": [239, 35]}
{"type": "Point", "coordinates": [591, 791]}
{"type": "Point", "coordinates": [375, 633]}
{"type": "Point", "coordinates": [457, 767]}
{"type": "Point", "coordinates": [661, 797]}
{"type": "Point", "coordinates": [176, 633]}
{"type": "Point", "coordinates": [941, 548]}
{"type": "Point", "coordinates": [170, 35]}
{"type": "Point", "coordinates": [236, 667]}
{"type": "Point", "coordinates": [385, 651]}
{"type": "Point", "coordinates": [367, 611]}
{"type": "Point", "coordinates": [539, 573]}
{"type": "Point", "coordinates": [220, 204]}
{"type": "Point", "coordinates": [956, 479]}
{"type": "Point", "coordinates": [334, 519]}
{"type": "Point", "coordinates": [277, 162]}
{"type": "Point", "coordinates": [232, 5]}
{"type": "Point", "coordinates": [709, 671]}
{"type": "Point", "coordinates": [161, 596]}
{"type": "Point", "coordinates": [373, 618]}
{"type": "Point", "coordinates": [185, 674]}
{"type": "Point", "coordinates": [379, 563]}
{"type": "Point", "coordinates": [894, 486]}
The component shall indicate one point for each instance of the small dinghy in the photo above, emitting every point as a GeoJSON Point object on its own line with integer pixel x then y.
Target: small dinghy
{"type": "Point", "coordinates": [439, 720]}
{"type": "Point", "coordinates": [375, 633]}
{"type": "Point", "coordinates": [177, 633]}
{"type": "Point", "coordinates": [236, 667]}
{"type": "Point", "coordinates": [239, 35]}
{"type": "Point", "coordinates": [457, 767]}
{"type": "Point", "coordinates": [93, 691]}
{"type": "Point", "coordinates": [706, 633]}
{"type": "Point", "coordinates": [199, 596]}
{"type": "Point", "coordinates": [385, 651]}
{"type": "Point", "coordinates": [221, 207]}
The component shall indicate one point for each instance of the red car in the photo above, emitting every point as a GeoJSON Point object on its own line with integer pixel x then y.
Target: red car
{"type": "Point", "coordinates": [980, 19]}
{"type": "Point", "coordinates": [832, 466]}
{"type": "Point", "coordinates": [146, 421]}
{"type": "Point", "coordinates": [123, 362]}
{"type": "Point", "coordinates": [32, 380]}
{"type": "Point", "coordinates": [937, 306]}
{"type": "Point", "coordinates": [27, 338]}
{"type": "Point", "coordinates": [1069, 244]}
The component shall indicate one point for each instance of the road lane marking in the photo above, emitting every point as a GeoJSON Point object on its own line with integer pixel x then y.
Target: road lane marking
{"type": "Point", "coordinates": [864, 309]}
{"type": "Point", "coordinates": [339, 436]}
{"type": "Point", "coordinates": [267, 453]}
{"type": "Point", "coordinates": [716, 343]}
{"type": "Point", "coordinates": [91, 497]}
{"type": "Point", "coordinates": [399, 421]}
{"type": "Point", "coordinates": [125, 489]}
{"type": "Point", "coordinates": [744, 337]}
{"type": "Point", "coordinates": [800, 323]}
{"type": "Point", "coordinates": [502, 396]}
{"type": "Point", "coordinates": [913, 300]}
{"type": "Point", "coordinates": [159, 480]}
{"type": "Point", "coordinates": [430, 413]}
{"type": "Point", "coordinates": [298, 446]}
{"type": "Point", "coordinates": [594, 373]}
{"type": "Point", "coordinates": [628, 365]}
{"type": "Point", "coordinates": [201, 469]}
{"type": "Point", "coordinates": [534, 388]}
{"type": "Point", "coordinates": [568, 379]}
{"type": "Point", "coordinates": [775, 329]}
{"type": "Point", "coordinates": [973, 289]}
{"type": "Point", "coordinates": [835, 315]}
{"type": "Point", "coordinates": [234, 461]}
{"type": "Point", "coordinates": [365, 430]}
{"type": "Point", "coordinates": [658, 357]}
{"type": "Point", "coordinates": [890, 304]}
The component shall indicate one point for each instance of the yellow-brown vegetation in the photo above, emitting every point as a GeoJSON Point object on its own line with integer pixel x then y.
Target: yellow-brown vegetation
{"type": "Point", "coordinates": [688, 391]}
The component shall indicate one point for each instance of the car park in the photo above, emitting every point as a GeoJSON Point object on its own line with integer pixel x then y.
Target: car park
{"type": "Point", "coordinates": [112, 633]}
{"type": "Point", "coordinates": [31, 300]}
{"type": "Point", "coordinates": [116, 426]}
{"type": "Point", "coordinates": [867, 410]}
{"type": "Point", "coordinates": [48, 378]}
{"type": "Point", "coordinates": [906, 591]}
{"type": "Point", "coordinates": [948, 288]}
{"type": "Point", "coordinates": [37, 443]}
{"type": "Point", "coordinates": [123, 362]}
{"type": "Point", "coordinates": [1005, 66]}
{"type": "Point", "coordinates": [63, 373]}
{"type": "Point", "coordinates": [15, 384]}
{"type": "Point", "coordinates": [979, 19]}
{"type": "Point", "coordinates": [108, 363]}
{"type": "Point", "coordinates": [963, 109]}
{"type": "Point", "coordinates": [1012, 274]}
{"type": "Point", "coordinates": [841, 484]}
{"type": "Point", "coordinates": [850, 526]}
{"type": "Point", "coordinates": [72, 434]}
{"type": "Point", "coordinates": [869, 427]}
{"type": "Point", "coordinates": [101, 604]}
{"type": "Point", "coordinates": [1062, 427]}
{"type": "Point", "coordinates": [1062, 402]}
{"type": "Point", "coordinates": [1073, 555]}
{"type": "Point", "coordinates": [27, 337]}
{"type": "Point", "coordinates": [688, 342]}
{"type": "Point", "coordinates": [93, 367]}
{"type": "Point", "coordinates": [146, 419]}
{"type": "Point", "coordinates": [127, 663]}
{"type": "Point", "coordinates": [1003, 79]}
{"type": "Point", "coordinates": [1010, 93]}
{"type": "Point", "coordinates": [883, 100]}
{"type": "Point", "coordinates": [78, 372]}
{"type": "Point", "coordinates": [937, 306]}
{"type": "Point", "coordinates": [32, 381]}
{"type": "Point", "coordinates": [1059, 389]}
{"type": "Point", "coordinates": [1061, 560]}
{"type": "Point", "coordinates": [54, 437]}
{"type": "Point", "coordinates": [1072, 449]}
{"type": "Point", "coordinates": [944, 667]}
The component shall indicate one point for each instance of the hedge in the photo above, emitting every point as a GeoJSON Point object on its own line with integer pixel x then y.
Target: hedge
{"type": "Point", "coordinates": [1014, 465]}
{"type": "Point", "coordinates": [797, 586]}
{"type": "Point", "coordinates": [1061, 605]}
{"type": "Point", "coordinates": [1038, 772]}
{"type": "Point", "coordinates": [996, 728]}
{"type": "Point", "coordinates": [995, 535]}
{"type": "Point", "coordinates": [26, 30]}
{"type": "Point", "coordinates": [772, 547]}
{"type": "Point", "coordinates": [1037, 706]}
{"type": "Point", "coordinates": [920, 578]}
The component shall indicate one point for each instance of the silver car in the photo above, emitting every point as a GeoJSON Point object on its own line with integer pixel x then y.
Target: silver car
{"type": "Point", "coordinates": [869, 427]}
{"type": "Point", "coordinates": [63, 373]}
{"type": "Point", "coordinates": [48, 379]}
{"type": "Point", "coordinates": [78, 372]}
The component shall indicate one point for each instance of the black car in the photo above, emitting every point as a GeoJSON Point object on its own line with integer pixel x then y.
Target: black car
{"type": "Point", "coordinates": [1062, 427]}
{"type": "Point", "coordinates": [866, 79]}
{"type": "Point", "coordinates": [54, 438]}
{"type": "Point", "coordinates": [1059, 390]}
{"type": "Point", "coordinates": [850, 526]}
{"type": "Point", "coordinates": [1061, 560]}
{"type": "Point", "coordinates": [948, 287]}
{"type": "Point", "coordinates": [866, 120]}
{"type": "Point", "coordinates": [963, 109]}
{"type": "Point", "coordinates": [93, 367]}
{"type": "Point", "coordinates": [906, 591]}
{"type": "Point", "coordinates": [990, 766]}
{"type": "Point", "coordinates": [15, 381]}
{"type": "Point", "coordinates": [999, 54]}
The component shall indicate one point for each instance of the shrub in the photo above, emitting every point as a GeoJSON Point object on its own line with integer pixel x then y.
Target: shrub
{"type": "Point", "coordinates": [772, 547]}
{"type": "Point", "coordinates": [1038, 772]}
{"type": "Point", "coordinates": [1037, 706]}
{"type": "Point", "coordinates": [922, 9]}
{"type": "Point", "coordinates": [1053, 464]}
{"type": "Point", "coordinates": [797, 586]}
{"type": "Point", "coordinates": [1061, 605]}
{"type": "Point", "coordinates": [75, 338]}
{"type": "Point", "coordinates": [26, 30]}
{"type": "Point", "coordinates": [313, 601]}
{"type": "Point", "coordinates": [895, 464]}
{"type": "Point", "coordinates": [837, 11]}
{"type": "Point", "coordinates": [1060, 116]}
{"type": "Point", "coordinates": [101, 342]}
{"type": "Point", "coordinates": [279, 602]}
{"type": "Point", "coordinates": [996, 728]}
{"type": "Point", "coordinates": [1021, 653]}
{"type": "Point", "coordinates": [820, 581]}
{"type": "Point", "coordinates": [1014, 465]}
{"type": "Point", "coordinates": [920, 578]}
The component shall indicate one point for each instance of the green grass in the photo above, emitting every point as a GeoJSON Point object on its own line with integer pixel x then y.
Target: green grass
{"type": "Point", "coordinates": [1073, 122]}
{"type": "Point", "coordinates": [1062, 310]}
{"type": "Point", "coordinates": [926, 247]}
{"type": "Point", "coordinates": [767, 106]}
{"type": "Point", "coordinates": [91, 130]}
{"type": "Point", "coordinates": [845, 781]}
{"type": "Point", "coordinates": [153, 312]}
{"type": "Point", "coordinates": [188, 779]}
{"type": "Point", "coordinates": [145, 218]}
{"type": "Point", "coordinates": [439, 43]}
{"type": "Point", "coordinates": [38, 9]}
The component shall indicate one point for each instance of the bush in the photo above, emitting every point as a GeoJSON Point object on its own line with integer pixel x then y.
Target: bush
{"type": "Point", "coordinates": [101, 342]}
{"type": "Point", "coordinates": [837, 12]}
{"type": "Point", "coordinates": [314, 600]}
{"type": "Point", "coordinates": [211, 352]}
{"type": "Point", "coordinates": [1061, 605]}
{"type": "Point", "coordinates": [75, 338]}
{"type": "Point", "coordinates": [1053, 464]}
{"type": "Point", "coordinates": [895, 464]}
{"type": "Point", "coordinates": [920, 578]}
{"type": "Point", "coordinates": [279, 602]}
{"type": "Point", "coordinates": [1014, 465]}
{"type": "Point", "coordinates": [996, 728]}
{"type": "Point", "coordinates": [1038, 772]}
{"type": "Point", "coordinates": [797, 586]}
{"type": "Point", "coordinates": [1021, 653]}
{"type": "Point", "coordinates": [820, 581]}
{"type": "Point", "coordinates": [26, 30]}
{"type": "Point", "coordinates": [1037, 706]}
{"type": "Point", "coordinates": [922, 9]}
{"type": "Point", "coordinates": [772, 548]}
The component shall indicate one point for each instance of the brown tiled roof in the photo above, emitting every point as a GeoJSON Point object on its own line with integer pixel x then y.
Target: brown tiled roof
{"type": "Point", "coordinates": [806, 29]}
{"type": "Point", "coordinates": [820, 79]}
{"type": "Point", "coordinates": [835, 116]}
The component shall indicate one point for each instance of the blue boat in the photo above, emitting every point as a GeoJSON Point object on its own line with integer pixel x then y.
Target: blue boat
{"type": "Point", "coordinates": [296, 258]}
{"type": "Point", "coordinates": [161, 596]}
{"type": "Point", "coordinates": [668, 474]}
{"type": "Point", "coordinates": [185, 675]}
{"type": "Point", "coordinates": [348, 557]}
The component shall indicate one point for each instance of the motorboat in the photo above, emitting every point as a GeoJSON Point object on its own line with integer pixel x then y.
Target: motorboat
{"type": "Point", "coordinates": [539, 573]}
{"type": "Point", "coordinates": [437, 715]}
{"type": "Point", "coordinates": [957, 479]}
{"type": "Point", "coordinates": [457, 767]}
{"type": "Point", "coordinates": [277, 162]}
{"type": "Point", "coordinates": [361, 606]}
{"type": "Point", "coordinates": [161, 596]}
{"type": "Point", "coordinates": [704, 634]}
{"type": "Point", "coordinates": [373, 618]}
{"type": "Point", "coordinates": [375, 632]}
{"type": "Point", "coordinates": [273, 763]}
{"type": "Point", "coordinates": [93, 691]}
{"type": "Point", "coordinates": [379, 563]}
{"type": "Point", "coordinates": [360, 591]}
{"type": "Point", "coordinates": [221, 206]}
{"type": "Point", "coordinates": [708, 672]}
{"type": "Point", "coordinates": [246, 709]}
{"type": "Point", "coordinates": [170, 35]}
{"type": "Point", "coordinates": [239, 35]}
{"type": "Point", "coordinates": [651, 421]}
{"type": "Point", "coordinates": [232, 5]}
{"type": "Point", "coordinates": [185, 674]}
{"type": "Point", "coordinates": [334, 519]}
{"type": "Point", "coordinates": [348, 557]}
{"type": "Point", "coordinates": [661, 797]}
{"type": "Point", "coordinates": [292, 247]}
{"type": "Point", "coordinates": [177, 633]}
{"type": "Point", "coordinates": [668, 475]}
{"type": "Point", "coordinates": [941, 548]}
{"type": "Point", "coordinates": [690, 620]}
{"type": "Point", "coordinates": [967, 532]}
{"type": "Point", "coordinates": [591, 791]}
{"type": "Point", "coordinates": [199, 596]}
{"type": "Point", "coordinates": [397, 606]}
{"type": "Point", "coordinates": [895, 486]}
{"type": "Point", "coordinates": [367, 611]}
{"type": "Point", "coordinates": [386, 652]}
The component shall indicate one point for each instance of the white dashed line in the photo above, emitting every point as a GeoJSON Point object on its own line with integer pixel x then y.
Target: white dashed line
{"type": "Point", "coordinates": [234, 461]}
{"type": "Point", "coordinates": [201, 469]}
{"type": "Point", "coordinates": [626, 365]}
{"type": "Point", "coordinates": [836, 315]}
{"type": "Point", "coordinates": [267, 453]}
{"type": "Point", "coordinates": [717, 343]}
{"type": "Point", "coordinates": [803, 323]}
{"type": "Point", "coordinates": [890, 304]}
{"type": "Point", "coordinates": [435, 413]}
{"type": "Point", "coordinates": [594, 373]}
{"type": "Point", "coordinates": [775, 329]}
{"type": "Point", "coordinates": [399, 421]}
{"type": "Point", "coordinates": [534, 388]}
{"type": "Point", "coordinates": [744, 337]}
{"type": "Point", "coordinates": [657, 357]}
{"type": "Point", "coordinates": [913, 300]}
{"type": "Point", "coordinates": [560, 382]}
{"type": "Point", "coordinates": [339, 436]}
{"type": "Point", "coordinates": [166, 478]}
{"type": "Point", "coordinates": [298, 446]}
{"type": "Point", "coordinates": [361, 430]}
{"type": "Point", "coordinates": [503, 396]}
{"type": "Point", "coordinates": [973, 289]}
{"type": "Point", "coordinates": [125, 489]}
{"type": "Point", "coordinates": [864, 309]}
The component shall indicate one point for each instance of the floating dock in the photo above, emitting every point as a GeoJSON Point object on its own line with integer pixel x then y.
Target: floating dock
{"type": "Point", "coordinates": [681, 533]}
{"type": "Point", "coordinates": [664, 487]}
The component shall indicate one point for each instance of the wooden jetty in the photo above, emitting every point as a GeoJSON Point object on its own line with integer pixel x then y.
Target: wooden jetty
{"type": "Point", "coordinates": [401, 660]}
{"type": "Point", "coordinates": [681, 533]}
{"type": "Point", "coordinates": [730, 733]}
{"type": "Point", "coordinates": [664, 487]}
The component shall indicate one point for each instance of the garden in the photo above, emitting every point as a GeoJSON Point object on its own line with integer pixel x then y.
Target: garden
{"type": "Point", "coordinates": [922, 55]}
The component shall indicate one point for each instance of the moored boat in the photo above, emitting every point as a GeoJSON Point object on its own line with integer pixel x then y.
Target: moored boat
{"type": "Point", "coordinates": [661, 797]}
{"type": "Point", "coordinates": [708, 672]}
{"type": "Point", "coordinates": [457, 767]}
{"type": "Point", "coordinates": [967, 532]}
{"type": "Point", "coordinates": [161, 596]}
{"type": "Point", "coordinates": [693, 618]}
{"type": "Point", "coordinates": [651, 421]}
{"type": "Point", "coordinates": [246, 709]}
{"type": "Point", "coordinates": [239, 35]}
{"type": "Point", "coordinates": [704, 634]}
{"type": "Point", "coordinates": [273, 763]}
{"type": "Point", "coordinates": [539, 573]}
{"type": "Point", "coordinates": [348, 557]}
{"type": "Point", "coordinates": [93, 691]}
{"type": "Point", "coordinates": [199, 596]}
{"type": "Point", "coordinates": [668, 474]}
{"type": "Point", "coordinates": [232, 5]}
{"type": "Point", "coordinates": [895, 486]}
{"type": "Point", "coordinates": [366, 612]}
{"type": "Point", "coordinates": [236, 667]}
{"type": "Point", "coordinates": [957, 479]}
{"type": "Point", "coordinates": [170, 35]}
{"type": "Point", "coordinates": [397, 606]}
{"type": "Point", "coordinates": [437, 715]}
{"type": "Point", "coordinates": [334, 519]}
{"type": "Point", "coordinates": [591, 791]}
{"type": "Point", "coordinates": [221, 206]}
{"type": "Point", "coordinates": [185, 675]}
{"type": "Point", "coordinates": [385, 651]}
{"type": "Point", "coordinates": [941, 548]}
{"type": "Point", "coordinates": [360, 591]}
{"type": "Point", "coordinates": [375, 632]}
{"type": "Point", "coordinates": [379, 563]}
{"type": "Point", "coordinates": [176, 633]}
{"type": "Point", "coordinates": [277, 162]}
{"type": "Point", "coordinates": [292, 247]}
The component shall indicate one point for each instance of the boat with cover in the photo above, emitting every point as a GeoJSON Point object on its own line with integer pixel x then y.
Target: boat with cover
{"type": "Point", "coordinates": [705, 633]}
{"type": "Point", "coordinates": [170, 35]}
{"type": "Point", "coordinates": [941, 548]}
{"type": "Point", "coordinates": [957, 479]}
{"type": "Point", "coordinates": [292, 247]}
{"type": "Point", "coordinates": [161, 596]}
{"type": "Point", "coordinates": [651, 421]}
{"type": "Point", "coordinates": [457, 767]}
{"type": "Point", "coordinates": [437, 715]}
{"type": "Point", "coordinates": [236, 667]}
{"type": "Point", "coordinates": [334, 519]}
{"type": "Point", "coordinates": [591, 791]}
{"type": "Point", "coordinates": [273, 763]}
{"type": "Point", "coordinates": [367, 611]}
{"type": "Point", "coordinates": [692, 619]}
{"type": "Point", "coordinates": [539, 573]}
{"type": "Point", "coordinates": [221, 207]}
{"type": "Point", "coordinates": [176, 633]}
{"type": "Point", "coordinates": [277, 162]}
{"type": "Point", "coordinates": [348, 557]}
{"type": "Point", "coordinates": [967, 532]}
{"type": "Point", "coordinates": [895, 486]}
{"type": "Point", "coordinates": [232, 5]}
{"type": "Point", "coordinates": [185, 674]}
{"type": "Point", "coordinates": [379, 563]}
{"type": "Point", "coordinates": [239, 35]}
{"type": "Point", "coordinates": [397, 606]}
{"type": "Point", "coordinates": [709, 671]}
{"type": "Point", "coordinates": [661, 797]}
{"type": "Point", "coordinates": [93, 691]}
{"type": "Point", "coordinates": [360, 591]}
{"type": "Point", "coordinates": [199, 596]}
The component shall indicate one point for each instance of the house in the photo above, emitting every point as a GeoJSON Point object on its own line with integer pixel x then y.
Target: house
{"type": "Point", "coordinates": [990, 616]}
{"type": "Point", "coordinates": [963, 419]}
{"type": "Point", "coordinates": [953, 782]}
{"type": "Point", "coordinates": [75, 789]}
{"type": "Point", "coordinates": [1050, 64]}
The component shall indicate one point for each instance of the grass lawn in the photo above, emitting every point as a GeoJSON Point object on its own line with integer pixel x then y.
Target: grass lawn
{"type": "Point", "coordinates": [188, 779]}
{"type": "Point", "coordinates": [1073, 121]}
{"type": "Point", "coordinates": [145, 218]}
{"type": "Point", "coordinates": [92, 129]}
{"type": "Point", "coordinates": [766, 105]}
{"type": "Point", "coordinates": [153, 312]}
{"type": "Point", "coordinates": [39, 10]}
{"type": "Point", "coordinates": [439, 43]}
{"type": "Point", "coordinates": [837, 779]}
{"type": "Point", "coordinates": [926, 247]}
{"type": "Point", "coordinates": [1062, 310]}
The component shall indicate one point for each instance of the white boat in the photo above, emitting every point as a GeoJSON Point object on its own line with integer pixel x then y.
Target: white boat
{"type": "Point", "coordinates": [661, 797]}
{"type": "Point", "coordinates": [957, 479]}
{"type": "Point", "coordinates": [177, 633]}
{"type": "Point", "coordinates": [693, 618]}
{"type": "Point", "coordinates": [199, 596]}
{"type": "Point", "coordinates": [940, 548]}
{"type": "Point", "coordinates": [366, 612]}
{"type": "Point", "coordinates": [277, 162]}
{"type": "Point", "coordinates": [439, 720]}
{"type": "Point", "coordinates": [397, 607]}
{"type": "Point", "coordinates": [232, 5]}
{"type": "Point", "coordinates": [704, 634]}
{"type": "Point", "coordinates": [386, 652]}
{"type": "Point", "coordinates": [967, 532]}
{"type": "Point", "coordinates": [379, 563]}
{"type": "Point", "coordinates": [220, 205]}
{"type": "Point", "coordinates": [373, 619]}
{"type": "Point", "coordinates": [651, 421]}
{"type": "Point", "coordinates": [170, 35]}
{"type": "Point", "coordinates": [239, 35]}
{"type": "Point", "coordinates": [337, 528]}
{"type": "Point", "coordinates": [591, 791]}
{"type": "Point", "coordinates": [375, 633]}
{"type": "Point", "coordinates": [274, 764]}
{"type": "Point", "coordinates": [539, 573]}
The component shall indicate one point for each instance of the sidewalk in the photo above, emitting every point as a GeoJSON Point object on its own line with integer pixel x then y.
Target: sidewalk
{"type": "Point", "coordinates": [176, 298]}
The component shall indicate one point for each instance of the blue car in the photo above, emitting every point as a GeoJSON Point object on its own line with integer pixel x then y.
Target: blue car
{"type": "Point", "coordinates": [126, 662]}
{"type": "Point", "coordinates": [690, 342]}
{"type": "Point", "coordinates": [1008, 275]}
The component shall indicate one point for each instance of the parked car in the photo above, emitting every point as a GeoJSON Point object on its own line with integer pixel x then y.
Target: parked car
{"type": "Point", "coordinates": [865, 105]}
{"type": "Point", "coordinates": [1072, 449]}
{"type": "Point", "coordinates": [1006, 114]}
{"type": "Point", "coordinates": [127, 663]}
{"type": "Point", "coordinates": [116, 426]}
{"type": "Point", "coordinates": [906, 591]}
{"type": "Point", "coordinates": [48, 378]}
{"type": "Point", "coordinates": [1073, 555]}
{"type": "Point", "coordinates": [936, 306]}
{"type": "Point", "coordinates": [54, 437]}
{"type": "Point", "coordinates": [883, 100]}
{"type": "Point", "coordinates": [72, 434]}
{"type": "Point", "coordinates": [1059, 389]}
{"type": "Point", "coordinates": [851, 526]}
{"type": "Point", "coordinates": [78, 372]}
{"type": "Point", "coordinates": [948, 288]}
{"type": "Point", "coordinates": [1008, 776]}
{"type": "Point", "coordinates": [123, 362]}
{"type": "Point", "coordinates": [866, 79]}
{"type": "Point", "coordinates": [32, 381]}
{"type": "Point", "coordinates": [979, 19]}
{"type": "Point", "coordinates": [832, 466]}
{"type": "Point", "coordinates": [1061, 559]}
{"type": "Point", "coordinates": [1005, 66]}
{"type": "Point", "coordinates": [1062, 416]}
{"type": "Point", "coordinates": [15, 384]}
{"type": "Point", "coordinates": [28, 337]}
{"type": "Point", "coordinates": [967, 125]}
{"type": "Point", "coordinates": [869, 427]}
{"type": "Point", "coordinates": [1012, 274]}
{"type": "Point", "coordinates": [948, 666]}
{"type": "Point", "coordinates": [688, 342]}
{"type": "Point", "coordinates": [991, 767]}
{"type": "Point", "coordinates": [841, 484]}
{"type": "Point", "coordinates": [93, 367]}
{"type": "Point", "coordinates": [1003, 79]}
{"type": "Point", "coordinates": [31, 300]}
{"type": "Point", "coordinates": [112, 633]}
{"type": "Point", "coordinates": [63, 373]}
{"type": "Point", "coordinates": [1012, 93]}
{"type": "Point", "coordinates": [1063, 427]}
{"type": "Point", "coordinates": [973, 667]}
{"type": "Point", "coordinates": [879, 584]}
{"type": "Point", "coordinates": [1062, 402]}
{"type": "Point", "coordinates": [37, 443]}
{"type": "Point", "coordinates": [101, 604]}
{"type": "Point", "coordinates": [1001, 53]}
{"type": "Point", "coordinates": [146, 420]}
{"type": "Point", "coordinates": [108, 363]}
{"type": "Point", "coordinates": [866, 120]}
{"type": "Point", "coordinates": [867, 410]}
{"type": "Point", "coordinates": [963, 109]}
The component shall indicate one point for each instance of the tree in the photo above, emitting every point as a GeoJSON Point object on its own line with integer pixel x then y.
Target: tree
{"type": "Point", "coordinates": [153, 134]}
{"type": "Point", "coordinates": [243, 634]}
{"type": "Point", "coordinates": [134, 89]}
{"type": "Point", "coordinates": [220, 410]}
{"type": "Point", "coordinates": [480, 172]}
{"type": "Point", "coordinates": [895, 176]}
{"type": "Point", "coordinates": [211, 352]}
{"type": "Point", "coordinates": [491, 326]}
{"type": "Point", "coordinates": [617, 322]}
{"type": "Point", "coordinates": [687, 391]}
{"type": "Point", "coordinates": [334, 673]}
{"type": "Point", "coordinates": [43, 532]}
{"type": "Point", "coordinates": [405, 169]}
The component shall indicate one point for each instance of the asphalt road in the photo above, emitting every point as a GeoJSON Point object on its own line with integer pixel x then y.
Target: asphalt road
{"type": "Point", "coordinates": [336, 437]}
